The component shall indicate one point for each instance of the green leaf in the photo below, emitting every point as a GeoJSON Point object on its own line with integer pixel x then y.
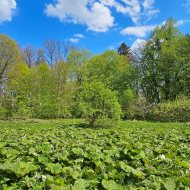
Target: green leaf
{"type": "Point", "coordinates": [169, 184]}
{"type": "Point", "coordinates": [78, 151]}
{"type": "Point", "coordinates": [54, 168]}
{"type": "Point", "coordinates": [23, 168]}
{"type": "Point", "coordinates": [184, 164]}
{"type": "Point", "coordinates": [109, 184]}
{"type": "Point", "coordinates": [80, 184]}
{"type": "Point", "coordinates": [129, 169]}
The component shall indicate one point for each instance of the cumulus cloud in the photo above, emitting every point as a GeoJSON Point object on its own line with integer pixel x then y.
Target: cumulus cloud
{"type": "Point", "coordinates": [96, 16]}
{"type": "Point", "coordinates": [135, 9]}
{"type": "Point", "coordinates": [138, 31]}
{"type": "Point", "coordinates": [138, 43]}
{"type": "Point", "coordinates": [7, 8]}
{"type": "Point", "coordinates": [137, 47]}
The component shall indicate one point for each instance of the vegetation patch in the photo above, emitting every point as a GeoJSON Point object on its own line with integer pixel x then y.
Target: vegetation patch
{"type": "Point", "coordinates": [60, 155]}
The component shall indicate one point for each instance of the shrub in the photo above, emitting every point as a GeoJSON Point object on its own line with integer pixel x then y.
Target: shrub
{"type": "Point", "coordinates": [98, 103]}
{"type": "Point", "coordinates": [172, 111]}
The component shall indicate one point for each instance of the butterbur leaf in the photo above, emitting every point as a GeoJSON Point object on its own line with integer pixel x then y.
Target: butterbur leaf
{"type": "Point", "coordinates": [75, 174]}
{"type": "Point", "coordinates": [169, 184]}
{"type": "Point", "coordinates": [59, 187]}
{"type": "Point", "coordinates": [129, 169]}
{"type": "Point", "coordinates": [109, 184]}
{"type": "Point", "coordinates": [80, 184]}
{"type": "Point", "coordinates": [43, 159]}
{"type": "Point", "coordinates": [32, 151]}
{"type": "Point", "coordinates": [78, 151]}
{"type": "Point", "coordinates": [23, 168]}
{"type": "Point", "coordinates": [54, 168]}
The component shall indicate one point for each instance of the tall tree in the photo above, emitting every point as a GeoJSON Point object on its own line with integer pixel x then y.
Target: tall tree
{"type": "Point", "coordinates": [40, 56]}
{"type": "Point", "coordinates": [77, 59]}
{"type": "Point", "coordinates": [9, 55]}
{"type": "Point", "coordinates": [124, 50]}
{"type": "Point", "coordinates": [56, 50]}
{"type": "Point", "coordinates": [161, 63]}
{"type": "Point", "coordinates": [29, 55]}
{"type": "Point", "coordinates": [114, 71]}
{"type": "Point", "coordinates": [65, 89]}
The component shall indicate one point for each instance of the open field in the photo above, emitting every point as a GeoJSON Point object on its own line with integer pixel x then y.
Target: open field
{"type": "Point", "coordinates": [58, 154]}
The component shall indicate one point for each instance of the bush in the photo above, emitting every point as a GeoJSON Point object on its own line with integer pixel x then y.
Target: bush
{"type": "Point", "coordinates": [172, 111]}
{"type": "Point", "coordinates": [98, 103]}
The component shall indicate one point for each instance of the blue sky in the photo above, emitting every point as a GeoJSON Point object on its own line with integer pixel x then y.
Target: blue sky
{"type": "Point", "coordinates": [93, 24]}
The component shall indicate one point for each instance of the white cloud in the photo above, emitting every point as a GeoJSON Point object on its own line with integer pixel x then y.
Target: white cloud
{"type": "Point", "coordinates": [7, 8]}
{"type": "Point", "coordinates": [181, 22]}
{"type": "Point", "coordinates": [81, 36]}
{"type": "Point", "coordinates": [143, 31]}
{"type": "Point", "coordinates": [74, 40]}
{"type": "Point", "coordinates": [138, 43]}
{"type": "Point", "coordinates": [96, 16]}
{"type": "Point", "coordinates": [137, 47]}
{"type": "Point", "coordinates": [135, 9]}
{"type": "Point", "coordinates": [138, 31]}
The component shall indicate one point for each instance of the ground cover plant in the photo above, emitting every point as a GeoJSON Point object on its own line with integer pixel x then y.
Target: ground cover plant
{"type": "Point", "coordinates": [59, 154]}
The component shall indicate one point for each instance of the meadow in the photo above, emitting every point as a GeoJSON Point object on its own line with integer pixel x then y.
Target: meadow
{"type": "Point", "coordinates": [63, 155]}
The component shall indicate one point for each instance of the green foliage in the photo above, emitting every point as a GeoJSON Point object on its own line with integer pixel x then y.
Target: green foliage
{"type": "Point", "coordinates": [178, 110]}
{"type": "Point", "coordinates": [97, 102]}
{"type": "Point", "coordinates": [60, 155]}
{"type": "Point", "coordinates": [163, 62]}
{"type": "Point", "coordinates": [157, 72]}
{"type": "Point", "coordinates": [77, 59]}
{"type": "Point", "coordinates": [9, 56]}
{"type": "Point", "coordinates": [127, 101]}
{"type": "Point", "coordinates": [111, 69]}
{"type": "Point", "coordinates": [115, 72]}
{"type": "Point", "coordinates": [44, 103]}
{"type": "Point", "coordinates": [65, 92]}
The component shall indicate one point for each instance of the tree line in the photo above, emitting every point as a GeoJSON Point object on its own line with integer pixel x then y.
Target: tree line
{"type": "Point", "coordinates": [62, 81]}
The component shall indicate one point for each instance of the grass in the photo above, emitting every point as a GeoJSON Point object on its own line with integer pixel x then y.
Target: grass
{"type": "Point", "coordinates": [53, 123]}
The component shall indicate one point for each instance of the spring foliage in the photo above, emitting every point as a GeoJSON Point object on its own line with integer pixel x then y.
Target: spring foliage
{"type": "Point", "coordinates": [97, 102]}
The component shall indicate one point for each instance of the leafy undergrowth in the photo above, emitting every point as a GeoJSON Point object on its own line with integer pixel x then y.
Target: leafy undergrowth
{"type": "Point", "coordinates": [62, 156]}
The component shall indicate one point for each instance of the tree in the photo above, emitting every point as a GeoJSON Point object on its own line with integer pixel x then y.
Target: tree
{"type": "Point", "coordinates": [56, 50]}
{"type": "Point", "coordinates": [65, 91]}
{"type": "Point", "coordinates": [9, 55]}
{"type": "Point", "coordinates": [124, 50]}
{"type": "Point", "coordinates": [97, 102]}
{"type": "Point", "coordinates": [77, 59]}
{"type": "Point", "coordinates": [29, 56]}
{"type": "Point", "coordinates": [114, 71]}
{"type": "Point", "coordinates": [18, 90]}
{"type": "Point", "coordinates": [161, 64]}
{"type": "Point", "coordinates": [40, 56]}
{"type": "Point", "coordinates": [43, 92]}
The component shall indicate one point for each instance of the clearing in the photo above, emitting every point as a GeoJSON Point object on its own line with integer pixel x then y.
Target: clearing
{"type": "Point", "coordinates": [60, 155]}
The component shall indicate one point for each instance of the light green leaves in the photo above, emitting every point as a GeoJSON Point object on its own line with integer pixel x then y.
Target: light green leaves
{"type": "Point", "coordinates": [136, 173]}
{"type": "Point", "coordinates": [54, 168]}
{"type": "Point", "coordinates": [109, 185]}
{"type": "Point", "coordinates": [139, 156]}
